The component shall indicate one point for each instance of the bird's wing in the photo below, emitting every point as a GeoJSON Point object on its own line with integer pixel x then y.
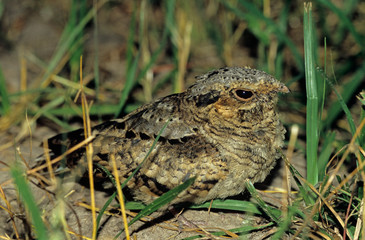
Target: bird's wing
{"type": "Point", "coordinates": [135, 131]}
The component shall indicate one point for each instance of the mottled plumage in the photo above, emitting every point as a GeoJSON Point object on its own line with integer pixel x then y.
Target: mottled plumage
{"type": "Point", "coordinates": [224, 130]}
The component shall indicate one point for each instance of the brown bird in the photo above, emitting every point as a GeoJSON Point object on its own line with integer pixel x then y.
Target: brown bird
{"type": "Point", "coordinates": [223, 130]}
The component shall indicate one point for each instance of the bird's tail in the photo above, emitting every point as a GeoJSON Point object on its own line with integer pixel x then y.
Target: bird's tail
{"type": "Point", "coordinates": [61, 153]}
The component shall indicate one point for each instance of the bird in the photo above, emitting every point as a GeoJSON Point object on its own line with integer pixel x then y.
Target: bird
{"type": "Point", "coordinates": [222, 130]}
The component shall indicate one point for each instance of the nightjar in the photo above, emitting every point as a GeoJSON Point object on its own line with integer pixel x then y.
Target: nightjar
{"type": "Point", "coordinates": [223, 130]}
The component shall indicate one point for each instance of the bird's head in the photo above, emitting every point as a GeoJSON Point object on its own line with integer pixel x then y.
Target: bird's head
{"type": "Point", "coordinates": [232, 91]}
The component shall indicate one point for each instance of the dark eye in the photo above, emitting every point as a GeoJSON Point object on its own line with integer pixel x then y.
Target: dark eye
{"type": "Point", "coordinates": [243, 94]}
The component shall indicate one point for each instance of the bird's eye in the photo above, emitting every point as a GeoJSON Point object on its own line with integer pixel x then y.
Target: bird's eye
{"type": "Point", "coordinates": [242, 94]}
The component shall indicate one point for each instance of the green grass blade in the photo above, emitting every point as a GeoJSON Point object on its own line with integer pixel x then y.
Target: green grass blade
{"type": "Point", "coordinates": [59, 122]}
{"type": "Point", "coordinates": [96, 55]}
{"type": "Point", "coordinates": [350, 120]}
{"type": "Point", "coordinates": [102, 210]}
{"type": "Point", "coordinates": [5, 101]}
{"type": "Point", "coordinates": [67, 42]}
{"type": "Point", "coordinates": [29, 202]}
{"type": "Point", "coordinates": [273, 213]}
{"type": "Point", "coordinates": [361, 98]}
{"type": "Point", "coordinates": [304, 190]}
{"type": "Point", "coordinates": [240, 230]}
{"type": "Point", "coordinates": [132, 63]}
{"type": "Point", "coordinates": [77, 12]}
{"type": "Point", "coordinates": [52, 104]}
{"type": "Point", "coordinates": [134, 205]}
{"type": "Point", "coordinates": [96, 109]}
{"type": "Point", "coordinates": [102, 109]}
{"type": "Point", "coordinates": [230, 204]}
{"type": "Point", "coordinates": [163, 200]}
{"type": "Point", "coordinates": [325, 154]}
{"type": "Point", "coordinates": [349, 90]}
{"type": "Point", "coordinates": [312, 97]}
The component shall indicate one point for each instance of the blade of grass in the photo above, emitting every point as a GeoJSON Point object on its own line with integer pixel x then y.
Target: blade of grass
{"type": "Point", "coordinates": [230, 204]}
{"type": "Point", "coordinates": [134, 205]}
{"type": "Point", "coordinates": [273, 213]}
{"type": "Point", "coordinates": [348, 91]}
{"type": "Point", "coordinates": [241, 230]}
{"type": "Point", "coordinates": [96, 54]}
{"type": "Point", "coordinates": [282, 24]}
{"type": "Point", "coordinates": [132, 63]}
{"type": "Point", "coordinates": [325, 154]}
{"type": "Point", "coordinates": [5, 101]}
{"type": "Point", "coordinates": [88, 150]}
{"type": "Point", "coordinates": [163, 200]}
{"type": "Point", "coordinates": [68, 41]}
{"type": "Point", "coordinates": [102, 109]}
{"type": "Point", "coordinates": [344, 107]}
{"type": "Point", "coordinates": [120, 195]}
{"type": "Point", "coordinates": [29, 201]}
{"type": "Point", "coordinates": [312, 97]}
{"type": "Point", "coordinates": [303, 189]}
{"type": "Point", "coordinates": [322, 87]}
{"type": "Point", "coordinates": [78, 12]}
{"type": "Point", "coordinates": [283, 226]}
{"type": "Point", "coordinates": [361, 98]}
{"type": "Point", "coordinates": [9, 210]}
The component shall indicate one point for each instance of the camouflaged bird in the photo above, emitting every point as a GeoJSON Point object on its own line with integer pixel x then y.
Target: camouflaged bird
{"type": "Point", "coordinates": [223, 130]}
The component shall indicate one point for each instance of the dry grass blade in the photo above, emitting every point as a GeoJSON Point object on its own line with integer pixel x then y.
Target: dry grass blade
{"type": "Point", "coordinates": [325, 201]}
{"type": "Point", "coordinates": [9, 211]}
{"type": "Point", "coordinates": [78, 235]}
{"type": "Point", "coordinates": [183, 41]}
{"type": "Point", "coordinates": [350, 148]}
{"type": "Point", "coordinates": [289, 155]}
{"type": "Point", "coordinates": [89, 151]}
{"type": "Point", "coordinates": [359, 221]}
{"type": "Point", "coordinates": [48, 162]}
{"type": "Point", "coordinates": [120, 194]}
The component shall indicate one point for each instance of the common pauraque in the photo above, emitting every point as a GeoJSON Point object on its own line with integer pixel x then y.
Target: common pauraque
{"type": "Point", "coordinates": [223, 130]}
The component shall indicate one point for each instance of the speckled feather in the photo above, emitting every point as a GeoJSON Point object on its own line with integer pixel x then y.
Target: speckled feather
{"type": "Point", "coordinates": [224, 130]}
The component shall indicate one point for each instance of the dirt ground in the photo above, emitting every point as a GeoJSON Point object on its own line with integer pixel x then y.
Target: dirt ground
{"type": "Point", "coordinates": [33, 29]}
